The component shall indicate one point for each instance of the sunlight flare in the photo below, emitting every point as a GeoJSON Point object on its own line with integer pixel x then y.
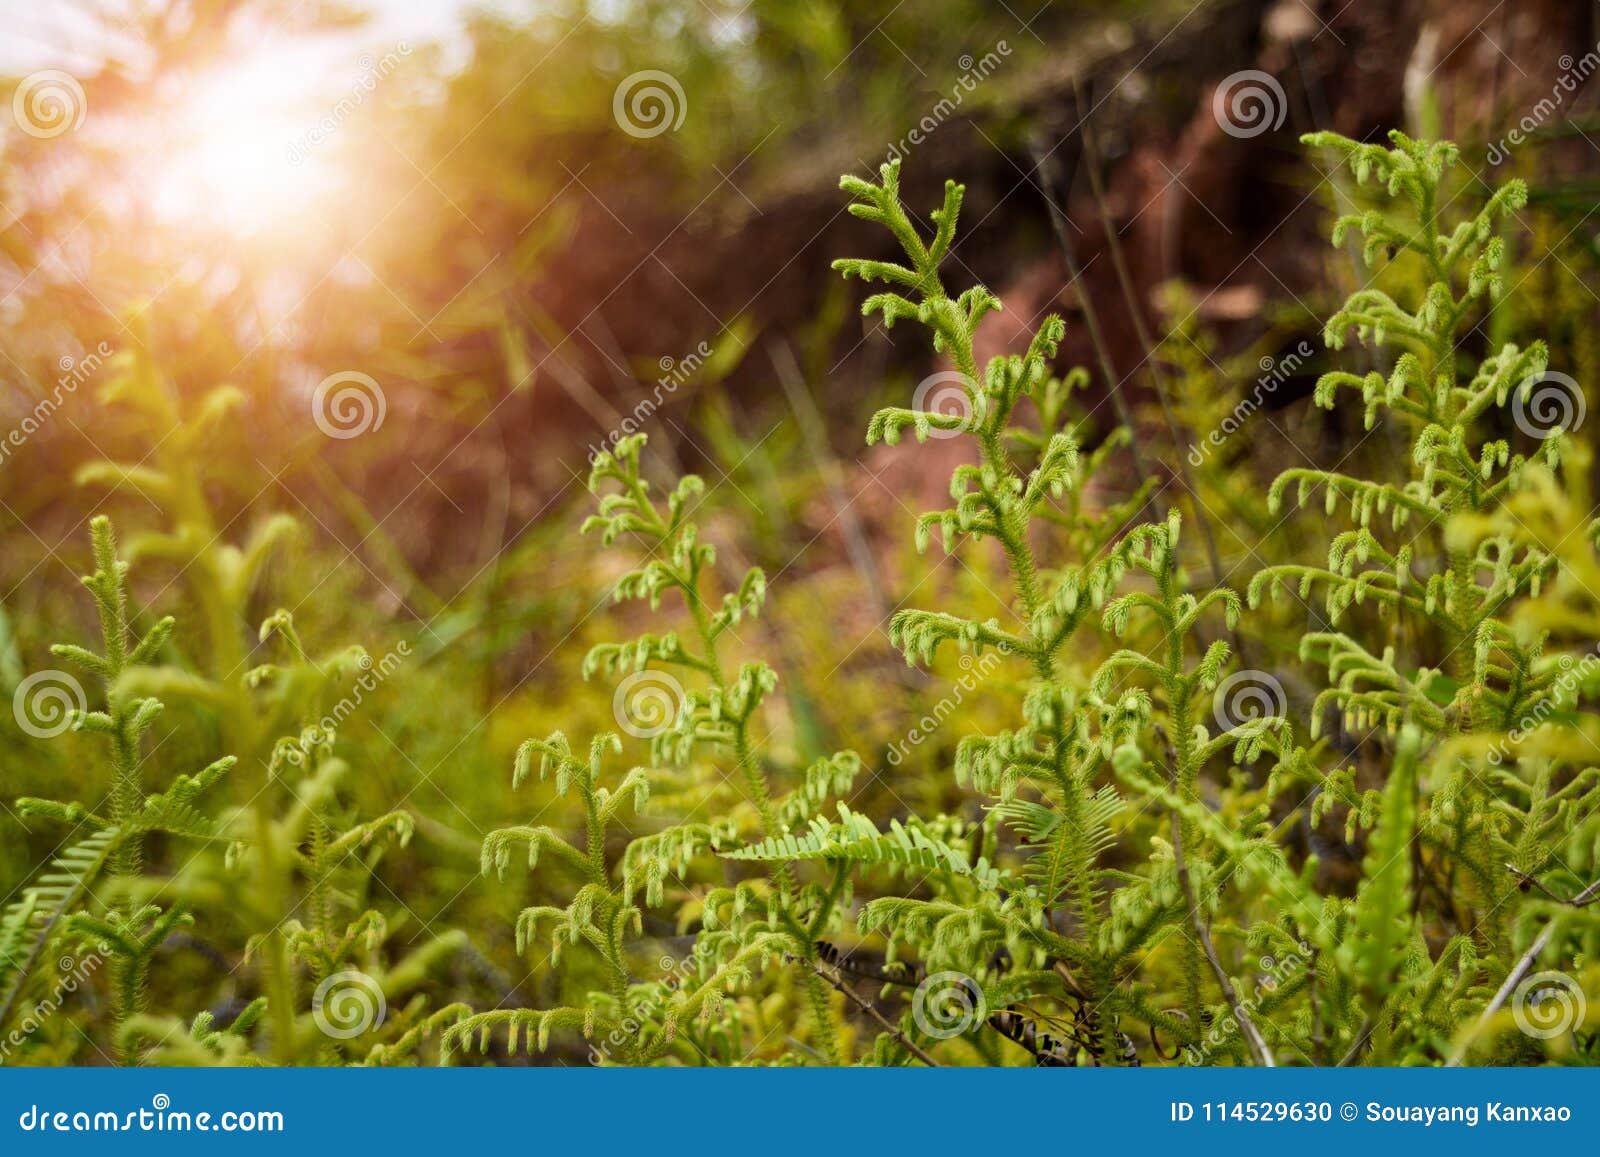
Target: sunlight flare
{"type": "Point", "coordinates": [248, 150]}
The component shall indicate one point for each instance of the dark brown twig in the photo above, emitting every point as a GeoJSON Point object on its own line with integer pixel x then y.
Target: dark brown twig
{"type": "Point", "coordinates": [1583, 898]}
{"type": "Point", "coordinates": [1522, 967]}
{"type": "Point", "coordinates": [1362, 1034]}
{"type": "Point", "coordinates": [871, 1010]}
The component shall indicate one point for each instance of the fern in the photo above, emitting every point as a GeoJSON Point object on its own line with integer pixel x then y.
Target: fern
{"type": "Point", "coordinates": [1103, 860]}
{"type": "Point", "coordinates": [856, 840]}
{"type": "Point", "coordinates": [130, 932]}
{"type": "Point", "coordinates": [1437, 561]}
{"type": "Point", "coordinates": [44, 909]}
{"type": "Point", "coordinates": [1050, 775]}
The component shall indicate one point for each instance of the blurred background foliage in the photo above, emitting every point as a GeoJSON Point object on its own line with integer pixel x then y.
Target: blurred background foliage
{"type": "Point", "coordinates": [478, 235]}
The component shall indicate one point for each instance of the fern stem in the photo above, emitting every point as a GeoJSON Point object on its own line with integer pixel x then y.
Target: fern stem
{"type": "Point", "coordinates": [1186, 771]}
{"type": "Point", "coordinates": [819, 922]}
{"type": "Point", "coordinates": [279, 980]}
{"type": "Point", "coordinates": [760, 792]}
